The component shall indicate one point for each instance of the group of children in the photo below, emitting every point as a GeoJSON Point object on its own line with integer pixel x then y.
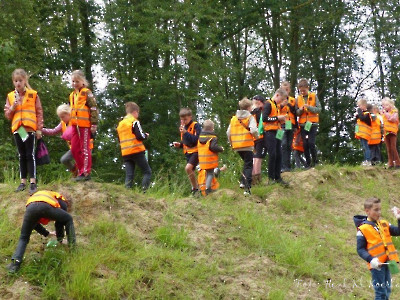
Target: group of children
{"type": "Point", "coordinates": [376, 126]}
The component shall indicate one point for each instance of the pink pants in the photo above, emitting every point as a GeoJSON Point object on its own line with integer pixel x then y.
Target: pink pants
{"type": "Point", "coordinates": [80, 148]}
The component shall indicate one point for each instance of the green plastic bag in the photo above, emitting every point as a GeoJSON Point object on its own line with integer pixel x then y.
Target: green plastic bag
{"type": "Point", "coordinates": [308, 125]}
{"type": "Point", "coordinates": [52, 244]}
{"type": "Point", "coordinates": [393, 268]}
{"type": "Point", "coordinates": [279, 134]}
{"type": "Point", "coordinates": [288, 125]}
{"type": "Point", "coordinates": [22, 133]}
{"type": "Point", "coordinates": [357, 129]}
{"type": "Point", "coordinates": [261, 126]}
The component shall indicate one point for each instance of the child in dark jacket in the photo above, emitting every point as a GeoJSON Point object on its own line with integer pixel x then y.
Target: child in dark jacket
{"type": "Point", "coordinates": [208, 152]}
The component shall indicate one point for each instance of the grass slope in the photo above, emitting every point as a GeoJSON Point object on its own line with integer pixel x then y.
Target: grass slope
{"type": "Point", "coordinates": [296, 243]}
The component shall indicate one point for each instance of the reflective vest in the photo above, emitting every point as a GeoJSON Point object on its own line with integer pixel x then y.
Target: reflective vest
{"type": "Point", "coordinates": [80, 114]}
{"type": "Point", "coordinates": [192, 131]}
{"type": "Point", "coordinates": [207, 158]}
{"type": "Point", "coordinates": [275, 125]}
{"type": "Point", "coordinates": [376, 136]}
{"type": "Point", "coordinates": [127, 140]}
{"type": "Point", "coordinates": [297, 143]}
{"type": "Point", "coordinates": [64, 127]}
{"type": "Point", "coordinates": [25, 113]}
{"type": "Point", "coordinates": [201, 179]}
{"type": "Point", "coordinates": [48, 197]}
{"type": "Point", "coordinates": [260, 136]}
{"type": "Point", "coordinates": [364, 130]}
{"type": "Point", "coordinates": [240, 135]}
{"type": "Point", "coordinates": [390, 127]}
{"type": "Point", "coordinates": [379, 243]}
{"type": "Point", "coordinates": [308, 115]}
{"type": "Point", "coordinates": [285, 111]}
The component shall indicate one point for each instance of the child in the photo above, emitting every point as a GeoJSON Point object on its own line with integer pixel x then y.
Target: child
{"type": "Point", "coordinates": [375, 246]}
{"type": "Point", "coordinates": [363, 129]}
{"type": "Point", "coordinates": [377, 112]}
{"type": "Point", "coordinates": [288, 109]}
{"type": "Point", "coordinates": [376, 136]}
{"type": "Point", "coordinates": [84, 118]}
{"type": "Point", "coordinates": [208, 152]}
{"type": "Point", "coordinates": [259, 148]}
{"type": "Point", "coordinates": [131, 137]}
{"type": "Point", "coordinates": [24, 109]}
{"type": "Point", "coordinates": [241, 133]}
{"type": "Point", "coordinates": [190, 131]}
{"type": "Point", "coordinates": [391, 126]}
{"type": "Point", "coordinates": [298, 149]}
{"type": "Point", "coordinates": [64, 113]}
{"type": "Point", "coordinates": [308, 111]}
{"type": "Point", "coordinates": [272, 120]}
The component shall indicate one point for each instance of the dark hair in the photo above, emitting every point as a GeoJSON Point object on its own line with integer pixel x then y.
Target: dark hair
{"type": "Point", "coordinates": [131, 107]}
{"type": "Point", "coordinates": [185, 112]}
{"type": "Point", "coordinates": [259, 98]}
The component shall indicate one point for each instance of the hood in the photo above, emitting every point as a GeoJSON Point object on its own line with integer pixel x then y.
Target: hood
{"type": "Point", "coordinates": [203, 139]}
{"type": "Point", "coordinates": [242, 114]}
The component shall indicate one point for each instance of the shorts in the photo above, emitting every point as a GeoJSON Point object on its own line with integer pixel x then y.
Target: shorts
{"type": "Point", "coordinates": [260, 151]}
{"type": "Point", "coordinates": [192, 158]}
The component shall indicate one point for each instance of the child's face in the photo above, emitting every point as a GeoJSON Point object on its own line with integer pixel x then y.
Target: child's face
{"type": "Point", "coordinates": [65, 117]}
{"type": "Point", "coordinates": [186, 120]}
{"type": "Point", "coordinates": [386, 106]}
{"type": "Point", "coordinates": [304, 90]}
{"type": "Point", "coordinates": [19, 83]}
{"type": "Point", "coordinates": [135, 113]}
{"type": "Point", "coordinates": [374, 213]}
{"type": "Point", "coordinates": [259, 104]}
{"type": "Point", "coordinates": [77, 83]}
{"type": "Point", "coordinates": [286, 88]}
{"type": "Point", "coordinates": [278, 98]}
{"type": "Point", "coordinates": [362, 106]}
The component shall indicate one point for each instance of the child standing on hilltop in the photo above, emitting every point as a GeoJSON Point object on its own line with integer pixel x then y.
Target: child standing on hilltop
{"type": "Point", "coordinates": [391, 127]}
{"type": "Point", "coordinates": [259, 147]}
{"type": "Point", "coordinates": [363, 129]}
{"type": "Point", "coordinates": [24, 109]}
{"type": "Point", "coordinates": [308, 112]}
{"type": "Point", "coordinates": [190, 131]}
{"type": "Point", "coordinates": [375, 246]}
{"type": "Point", "coordinates": [241, 133]}
{"type": "Point", "coordinates": [84, 119]}
{"type": "Point", "coordinates": [376, 136]}
{"type": "Point", "coordinates": [208, 152]}
{"type": "Point", "coordinates": [131, 137]}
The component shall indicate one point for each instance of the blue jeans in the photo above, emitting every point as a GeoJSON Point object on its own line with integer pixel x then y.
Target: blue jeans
{"type": "Point", "coordinates": [381, 282]}
{"type": "Point", "coordinates": [366, 151]}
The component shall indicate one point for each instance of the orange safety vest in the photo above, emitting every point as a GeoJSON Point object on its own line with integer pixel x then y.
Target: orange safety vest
{"type": "Point", "coordinates": [64, 127]}
{"type": "Point", "coordinates": [186, 149]}
{"type": "Point", "coordinates": [261, 136]}
{"type": "Point", "coordinates": [376, 136]}
{"type": "Point", "coordinates": [240, 135]}
{"type": "Point", "coordinates": [308, 115]}
{"type": "Point", "coordinates": [379, 243]}
{"type": "Point", "coordinates": [275, 125]}
{"type": "Point", "coordinates": [207, 158]}
{"type": "Point", "coordinates": [364, 130]}
{"type": "Point", "coordinates": [297, 143]}
{"type": "Point", "coordinates": [25, 113]}
{"type": "Point", "coordinates": [285, 111]}
{"type": "Point", "coordinates": [80, 114]}
{"type": "Point", "coordinates": [390, 127]}
{"type": "Point", "coordinates": [201, 179]}
{"type": "Point", "coordinates": [127, 140]}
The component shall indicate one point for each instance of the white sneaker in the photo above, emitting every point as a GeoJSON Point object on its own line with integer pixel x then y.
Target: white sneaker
{"type": "Point", "coordinates": [242, 185]}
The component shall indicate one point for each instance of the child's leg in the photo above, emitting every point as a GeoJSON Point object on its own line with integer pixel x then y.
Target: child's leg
{"type": "Point", "coordinates": [76, 149]}
{"type": "Point", "coordinates": [287, 149]}
{"type": "Point", "coordinates": [143, 164]}
{"type": "Point", "coordinates": [129, 173]}
{"type": "Point", "coordinates": [247, 157]}
{"type": "Point", "coordinates": [311, 144]}
{"type": "Point", "coordinates": [394, 150]}
{"type": "Point", "coordinates": [365, 146]}
{"type": "Point", "coordinates": [192, 162]}
{"type": "Point", "coordinates": [271, 140]}
{"type": "Point", "coordinates": [389, 150]}
{"type": "Point", "coordinates": [68, 160]}
{"type": "Point", "coordinates": [278, 159]}
{"type": "Point", "coordinates": [381, 281]}
{"type": "Point", "coordinates": [87, 153]}
{"type": "Point", "coordinates": [209, 178]}
{"type": "Point", "coordinates": [257, 162]}
{"type": "Point", "coordinates": [30, 156]}
{"type": "Point", "coordinates": [22, 157]}
{"type": "Point", "coordinates": [305, 137]}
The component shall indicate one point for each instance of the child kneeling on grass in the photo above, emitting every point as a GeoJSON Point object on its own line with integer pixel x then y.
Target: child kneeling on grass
{"type": "Point", "coordinates": [375, 246]}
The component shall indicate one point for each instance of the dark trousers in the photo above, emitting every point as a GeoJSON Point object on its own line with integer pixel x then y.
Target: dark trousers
{"type": "Point", "coordinates": [310, 152]}
{"type": "Point", "coordinates": [287, 149]}
{"type": "Point", "coordinates": [375, 151]}
{"type": "Point", "coordinates": [140, 160]}
{"type": "Point", "coordinates": [33, 213]}
{"type": "Point", "coordinates": [26, 151]}
{"type": "Point", "coordinates": [274, 150]}
{"type": "Point", "coordinates": [246, 176]}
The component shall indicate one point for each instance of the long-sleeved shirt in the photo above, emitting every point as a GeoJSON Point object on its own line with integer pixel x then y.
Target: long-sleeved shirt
{"type": "Point", "coordinates": [189, 139]}
{"type": "Point", "coordinates": [9, 112]}
{"type": "Point", "coordinates": [52, 131]}
{"type": "Point", "coordinates": [214, 147]}
{"type": "Point", "coordinates": [267, 112]}
{"type": "Point", "coordinates": [364, 117]}
{"type": "Point", "coordinates": [362, 242]}
{"type": "Point", "coordinates": [314, 109]}
{"type": "Point", "coordinates": [394, 117]}
{"type": "Point", "coordinates": [138, 131]}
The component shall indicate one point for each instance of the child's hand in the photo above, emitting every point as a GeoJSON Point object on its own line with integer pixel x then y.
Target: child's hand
{"type": "Point", "coordinates": [281, 118]}
{"type": "Point", "coordinates": [176, 144]}
{"type": "Point", "coordinates": [182, 129]}
{"type": "Point", "coordinates": [93, 129]}
{"type": "Point", "coordinates": [38, 134]}
{"type": "Point", "coordinates": [375, 263]}
{"type": "Point", "coordinates": [305, 106]}
{"type": "Point", "coordinates": [52, 234]}
{"type": "Point", "coordinates": [396, 212]}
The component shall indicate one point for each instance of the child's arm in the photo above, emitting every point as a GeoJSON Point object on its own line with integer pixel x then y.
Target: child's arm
{"type": "Point", "coordinates": [317, 108]}
{"type": "Point", "coordinates": [253, 127]}
{"type": "Point", "coordinates": [41, 230]}
{"type": "Point", "coordinates": [267, 112]}
{"type": "Point", "coordinates": [365, 118]}
{"type": "Point", "coordinates": [94, 113]}
{"type": "Point", "coordinates": [228, 133]}
{"type": "Point", "coordinates": [39, 114]}
{"type": "Point", "coordinates": [191, 140]}
{"type": "Point", "coordinates": [362, 247]}
{"type": "Point", "coordinates": [8, 110]}
{"type": "Point", "coordinates": [395, 230]}
{"type": "Point", "coordinates": [214, 147]}
{"type": "Point", "coordinates": [392, 117]}
{"type": "Point", "coordinates": [138, 132]}
{"type": "Point", "coordinates": [52, 131]}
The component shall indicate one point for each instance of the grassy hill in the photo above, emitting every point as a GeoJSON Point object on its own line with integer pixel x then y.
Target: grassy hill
{"type": "Point", "coordinates": [279, 243]}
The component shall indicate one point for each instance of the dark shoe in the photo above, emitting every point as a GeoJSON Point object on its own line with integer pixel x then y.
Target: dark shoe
{"type": "Point", "coordinates": [285, 170]}
{"type": "Point", "coordinates": [247, 191]}
{"type": "Point", "coordinates": [20, 188]}
{"type": "Point", "coordinates": [82, 178]}
{"type": "Point", "coordinates": [195, 192]}
{"type": "Point", "coordinates": [271, 181]}
{"type": "Point", "coordinates": [14, 266]}
{"type": "Point", "coordinates": [282, 182]}
{"type": "Point", "coordinates": [32, 188]}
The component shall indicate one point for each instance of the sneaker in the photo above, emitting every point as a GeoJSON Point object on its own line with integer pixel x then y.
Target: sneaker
{"type": "Point", "coordinates": [32, 188]}
{"type": "Point", "coordinates": [20, 188]}
{"type": "Point", "coordinates": [82, 178]}
{"type": "Point", "coordinates": [247, 192]}
{"type": "Point", "coordinates": [195, 192]}
{"type": "Point", "coordinates": [241, 185]}
{"type": "Point", "coordinates": [14, 266]}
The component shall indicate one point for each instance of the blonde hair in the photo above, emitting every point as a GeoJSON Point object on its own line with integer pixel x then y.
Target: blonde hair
{"type": "Point", "coordinates": [185, 112]}
{"type": "Point", "coordinates": [208, 125]}
{"type": "Point", "coordinates": [245, 104]}
{"type": "Point", "coordinates": [285, 83]}
{"type": "Point", "coordinates": [130, 107]}
{"type": "Point", "coordinates": [388, 101]}
{"type": "Point", "coordinates": [282, 92]}
{"type": "Point", "coordinates": [81, 76]}
{"type": "Point", "coordinates": [370, 202]}
{"type": "Point", "coordinates": [21, 73]}
{"type": "Point", "coordinates": [362, 102]}
{"type": "Point", "coordinates": [63, 109]}
{"type": "Point", "coordinates": [303, 83]}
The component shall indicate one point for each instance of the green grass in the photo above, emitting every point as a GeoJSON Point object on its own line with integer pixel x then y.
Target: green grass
{"type": "Point", "coordinates": [277, 244]}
